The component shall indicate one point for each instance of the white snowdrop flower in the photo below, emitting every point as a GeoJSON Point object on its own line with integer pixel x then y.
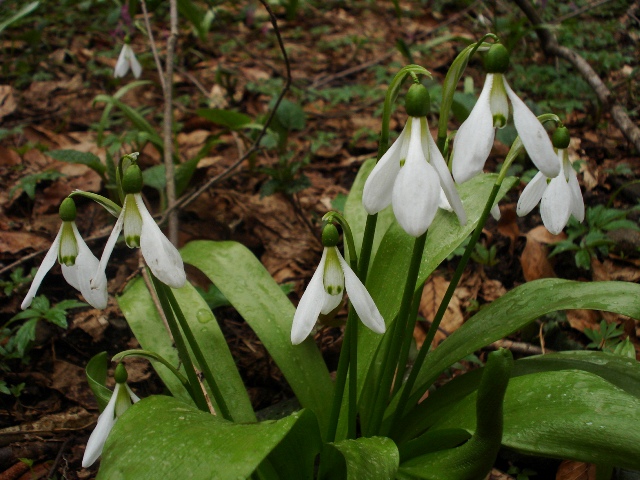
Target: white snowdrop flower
{"type": "Point", "coordinates": [141, 230]}
{"type": "Point", "coordinates": [121, 399]}
{"type": "Point", "coordinates": [412, 174]}
{"type": "Point", "coordinates": [127, 59]}
{"type": "Point", "coordinates": [473, 142]}
{"type": "Point", "coordinates": [325, 290]}
{"type": "Point", "coordinates": [559, 197]}
{"type": "Point", "coordinates": [78, 263]}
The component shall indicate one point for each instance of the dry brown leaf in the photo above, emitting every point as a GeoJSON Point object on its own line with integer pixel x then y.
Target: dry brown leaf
{"type": "Point", "coordinates": [581, 319]}
{"type": "Point", "coordinates": [572, 470]}
{"type": "Point", "coordinates": [534, 261]}
{"type": "Point", "coordinates": [71, 381]}
{"type": "Point", "coordinates": [541, 235]}
{"type": "Point", "coordinates": [608, 270]}
{"type": "Point", "coordinates": [9, 157]}
{"type": "Point", "coordinates": [508, 226]}
{"type": "Point", "coordinates": [91, 322]}
{"type": "Point", "coordinates": [492, 289]}
{"type": "Point", "coordinates": [76, 418]}
{"type": "Point", "coordinates": [14, 242]}
{"type": "Point", "coordinates": [8, 103]}
{"type": "Point", "coordinates": [432, 295]}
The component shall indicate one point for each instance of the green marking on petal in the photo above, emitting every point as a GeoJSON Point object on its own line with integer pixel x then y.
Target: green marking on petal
{"type": "Point", "coordinates": [68, 250]}
{"type": "Point", "coordinates": [402, 162]}
{"type": "Point", "coordinates": [132, 222]}
{"type": "Point", "coordinates": [499, 121]}
{"type": "Point", "coordinates": [333, 278]}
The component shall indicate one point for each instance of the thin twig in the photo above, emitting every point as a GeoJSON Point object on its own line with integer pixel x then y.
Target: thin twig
{"type": "Point", "coordinates": [152, 42]}
{"type": "Point", "coordinates": [188, 198]}
{"type": "Point", "coordinates": [581, 10]}
{"type": "Point", "coordinates": [551, 47]}
{"type": "Point", "coordinates": [168, 124]}
{"type": "Point", "coordinates": [519, 347]}
{"type": "Point", "coordinates": [56, 462]}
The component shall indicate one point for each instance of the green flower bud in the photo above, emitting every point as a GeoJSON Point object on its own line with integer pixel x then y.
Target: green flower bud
{"type": "Point", "coordinates": [132, 181]}
{"type": "Point", "coordinates": [561, 138]}
{"type": "Point", "coordinates": [120, 374]}
{"type": "Point", "coordinates": [330, 235]}
{"type": "Point", "coordinates": [417, 101]}
{"type": "Point", "coordinates": [496, 59]}
{"type": "Point", "coordinates": [68, 210]}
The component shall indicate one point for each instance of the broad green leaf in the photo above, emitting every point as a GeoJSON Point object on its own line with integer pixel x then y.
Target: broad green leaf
{"type": "Point", "coordinates": [259, 299]}
{"type": "Point", "coordinates": [294, 457]}
{"type": "Point", "coordinates": [155, 177]}
{"type": "Point", "coordinates": [564, 414]}
{"type": "Point", "coordinates": [23, 12]}
{"type": "Point", "coordinates": [135, 118]}
{"type": "Point", "coordinates": [138, 307]}
{"type": "Point", "coordinates": [366, 457]}
{"type": "Point", "coordinates": [84, 158]}
{"type": "Point", "coordinates": [227, 118]}
{"type": "Point", "coordinates": [621, 372]}
{"type": "Point", "coordinates": [163, 438]}
{"type": "Point", "coordinates": [387, 274]}
{"type": "Point", "coordinates": [200, 20]}
{"type": "Point", "coordinates": [290, 115]}
{"type": "Point", "coordinates": [96, 372]}
{"type": "Point", "coordinates": [520, 306]}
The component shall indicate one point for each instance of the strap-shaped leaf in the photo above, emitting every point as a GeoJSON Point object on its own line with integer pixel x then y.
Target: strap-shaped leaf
{"type": "Point", "coordinates": [96, 372]}
{"type": "Point", "coordinates": [138, 307]}
{"type": "Point", "coordinates": [564, 414]}
{"type": "Point", "coordinates": [259, 299]}
{"type": "Point", "coordinates": [163, 438]}
{"type": "Point", "coordinates": [387, 274]}
{"type": "Point", "coordinates": [620, 371]}
{"type": "Point", "coordinates": [366, 457]}
{"type": "Point", "coordinates": [522, 305]}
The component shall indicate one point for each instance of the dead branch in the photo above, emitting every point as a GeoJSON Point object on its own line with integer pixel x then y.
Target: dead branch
{"type": "Point", "coordinates": [551, 47]}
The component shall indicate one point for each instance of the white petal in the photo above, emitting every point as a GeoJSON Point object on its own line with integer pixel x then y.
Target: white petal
{"type": "Point", "coordinates": [555, 207]}
{"type": "Point", "coordinates": [163, 258]}
{"type": "Point", "coordinates": [361, 299]}
{"type": "Point", "coordinates": [531, 194]}
{"type": "Point", "coordinates": [533, 135]}
{"type": "Point", "coordinates": [416, 190]}
{"type": "Point", "coordinates": [443, 202]}
{"type": "Point", "coordinates": [495, 212]}
{"type": "Point", "coordinates": [309, 306]}
{"type": "Point", "coordinates": [47, 262]}
{"type": "Point", "coordinates": [577, 202]}
{"type": "Point", "coordinates": [330, 303]}
{"type": "Point", "coordinates": [376, 194]}
{"type": "Point", "coordinates": [136, 68]}
{"type": "Point", "coordinates": [98, 437]}
{"type": "Point", "coordinates": [122, 65]}
{"type": "Point", "coordinates": [99, 279]}
{"type": "Point", "coordinates": [133, 396]}
{"type": "Point", "coordinates": [472, 144]}
{"type": "Point", "coordinates": [446, 182]}
{"type": "Point", "coordinates": [83, 271]}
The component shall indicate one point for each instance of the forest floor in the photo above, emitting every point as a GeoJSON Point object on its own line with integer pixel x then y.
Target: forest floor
{"type": "Point", "coordinates": [60, 58]}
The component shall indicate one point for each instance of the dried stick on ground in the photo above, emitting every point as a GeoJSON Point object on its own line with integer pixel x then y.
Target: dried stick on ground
{"type": "Point", "coordinates": [551, 47]}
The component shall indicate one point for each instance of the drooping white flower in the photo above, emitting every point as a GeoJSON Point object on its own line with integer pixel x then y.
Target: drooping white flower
{"type": "Point", "coordinates": [411, 176]}
{"type": "Point", "coordinates": [78, 263]}
{"type": "Point", "coordinates": [324, 293]}
{"type": "Point", "coordinates": [121, 399]}
{"type": "Point", "coordinates": [559, 197]}
{"type": "Point", "coordinates": [473, 142]}
{"type": "Point", "coordinates": [141, 230]}
{"type": "Point", "coordinates": [127, 59]}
